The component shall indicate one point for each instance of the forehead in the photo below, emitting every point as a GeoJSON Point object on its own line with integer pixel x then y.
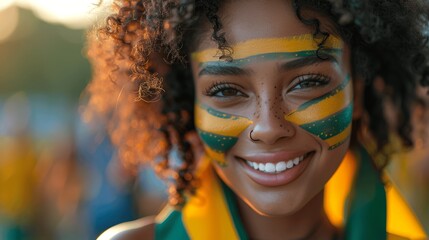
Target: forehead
{"type": "Point", "coordinates": [243, 20]}
{"type": "Point", "coordinates": [271, 49]}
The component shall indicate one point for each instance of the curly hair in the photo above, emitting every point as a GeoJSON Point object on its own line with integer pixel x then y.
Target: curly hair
{"type": "Point", "coordinates": [143, 51]}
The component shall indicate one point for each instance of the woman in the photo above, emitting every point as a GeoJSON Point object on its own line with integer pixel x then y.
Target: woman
{"type": "Point", "coordinates": [271, 95]}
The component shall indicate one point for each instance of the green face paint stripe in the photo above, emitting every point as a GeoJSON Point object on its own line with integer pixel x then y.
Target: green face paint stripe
{"type": "Point", "coordinates": [325, 96]}
{"type": "Point", "coordinates": [269, 56]}
{"type": "Point", "coordinates": [332, 125]}
{"type": "Point", "coordinates": [218, 114]}
{"type": "Point", "coordinates": [252, 47]}
{"type": "Point", "coordinates": [217, 142]}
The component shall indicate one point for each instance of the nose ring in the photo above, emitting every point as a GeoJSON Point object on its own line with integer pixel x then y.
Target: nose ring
{"type": "Point", "coordinates": [251, 138]}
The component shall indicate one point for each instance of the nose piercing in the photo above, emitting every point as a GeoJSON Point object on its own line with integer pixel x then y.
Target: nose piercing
{"type": "Point", "coordinates": [251, 138]}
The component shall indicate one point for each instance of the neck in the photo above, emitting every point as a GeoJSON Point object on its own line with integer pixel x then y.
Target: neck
{"type": "Point", "coordinates": [311, 222]}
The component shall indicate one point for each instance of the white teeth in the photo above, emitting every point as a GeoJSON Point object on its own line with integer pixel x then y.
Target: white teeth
{"type": "Point", "coordinates": [255, 165]}
{"type": "Point", "coordinates": [275, 167]}
{"type": "Point", "coordinates": [289, 164]}
{"type": "Point", "coordinates": [280, 166]}
{"type": "Point", "coordinates": [296, 161]}
{"type": "Point", "coordinates": [262, 167]}
{"type": "Point", "coordinates": [270, 168]}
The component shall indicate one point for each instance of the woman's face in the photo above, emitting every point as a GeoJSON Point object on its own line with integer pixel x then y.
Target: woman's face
{"type": "Point", "coordinates": [276, 121]}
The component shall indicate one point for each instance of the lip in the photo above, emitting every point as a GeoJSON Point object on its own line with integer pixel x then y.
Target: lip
{"type": "Point", "coordinates": [276, 179]}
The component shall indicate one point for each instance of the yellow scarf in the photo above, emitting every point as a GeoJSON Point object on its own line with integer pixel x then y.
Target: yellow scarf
{"type": "Point", "coordinates": [211, 213]}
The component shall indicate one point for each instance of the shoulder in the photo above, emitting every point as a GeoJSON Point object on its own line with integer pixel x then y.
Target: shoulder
{"type": "Point", "coordinates": [143, 228]}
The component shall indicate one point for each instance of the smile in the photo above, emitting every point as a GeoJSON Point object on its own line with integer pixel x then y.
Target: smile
{"type": "Point", "coordinates": [276, 167]}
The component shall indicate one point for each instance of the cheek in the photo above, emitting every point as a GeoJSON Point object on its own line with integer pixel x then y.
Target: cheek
{"type": "Point", "coordinates": [218, 131]}
{"type": "Point", "coordinates": [328, 117]}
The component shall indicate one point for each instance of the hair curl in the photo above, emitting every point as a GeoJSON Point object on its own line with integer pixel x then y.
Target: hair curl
{"type": "Point", "coordinates": [387, 38]}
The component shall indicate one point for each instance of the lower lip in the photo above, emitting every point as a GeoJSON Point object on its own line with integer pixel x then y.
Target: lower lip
{"type": "Point", "coordinates": [277, 179]}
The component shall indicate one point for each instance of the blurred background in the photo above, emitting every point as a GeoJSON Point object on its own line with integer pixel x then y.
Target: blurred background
{"type": "Point", "coordinates": [59, 177]}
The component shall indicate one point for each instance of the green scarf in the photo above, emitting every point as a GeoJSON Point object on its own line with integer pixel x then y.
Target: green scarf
{"type": "Point", "coordinates": [212, 212]}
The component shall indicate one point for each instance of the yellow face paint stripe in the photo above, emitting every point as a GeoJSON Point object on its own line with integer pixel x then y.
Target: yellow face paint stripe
{"type": "Point", "coordinates": [225, 124]}
{"type": "Point", "coordinates": [219, 157]}
{"type": "Point", "coordinates": [299, 43]}
{"type": "Point", "coordinates": [339, 138]}
{"type": "Point", "coordinates": [322, 109]}
{"type": "Point", "coordinates": [218, 130]}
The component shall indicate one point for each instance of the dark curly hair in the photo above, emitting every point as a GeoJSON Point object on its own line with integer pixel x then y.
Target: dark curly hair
{"type": "Point", "coordinates": [143, 51]}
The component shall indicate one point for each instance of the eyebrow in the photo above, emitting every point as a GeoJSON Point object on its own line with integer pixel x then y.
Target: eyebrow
{"type": "Point", "coordinates": [307, 61]}
{"type": "Point", "coordinates": [220, 70]}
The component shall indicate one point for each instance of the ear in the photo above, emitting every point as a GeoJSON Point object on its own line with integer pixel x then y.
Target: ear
{"type": "Point", "coordinates": [358, 95]}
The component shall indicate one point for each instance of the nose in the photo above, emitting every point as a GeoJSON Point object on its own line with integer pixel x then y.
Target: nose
{"type": "Point", "coordinates": [269, 124]}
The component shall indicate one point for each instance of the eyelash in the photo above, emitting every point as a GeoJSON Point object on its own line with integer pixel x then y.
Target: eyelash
{"type": "Point", "coordinates": [319, 79]}
{"type": "Point", "coordinates": [220, 86]}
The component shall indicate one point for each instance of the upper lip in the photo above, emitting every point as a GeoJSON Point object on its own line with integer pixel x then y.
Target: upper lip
{"type": "Point", "coordinates": [273, 157]}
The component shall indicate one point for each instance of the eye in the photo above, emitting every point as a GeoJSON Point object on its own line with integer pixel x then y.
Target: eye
{"type": "Point", "coordinates": [224, 90]}
{"type": "Point", "coordinates": [310, 81]}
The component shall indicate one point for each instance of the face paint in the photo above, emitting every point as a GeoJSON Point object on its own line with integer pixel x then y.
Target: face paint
{"type": "Point", "coordinates": [270, 49]}
{"type": "Point", "coordinates": [219, 131]}
{"type": "Point", "coordinates": [329, 116]}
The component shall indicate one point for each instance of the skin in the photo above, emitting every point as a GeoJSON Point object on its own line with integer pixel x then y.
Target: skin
{"type": "Point", "coordinates": [328, 116]}
{"type": "Point", "coordinates": [218, 131]}
{"type": "Point", "coordinates": [267, 96]}
{"type": "Point", "coordinates": [295, 210]}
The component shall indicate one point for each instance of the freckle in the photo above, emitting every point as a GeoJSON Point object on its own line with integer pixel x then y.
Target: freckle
{"type": "Point", "coordinates": [281, 125]}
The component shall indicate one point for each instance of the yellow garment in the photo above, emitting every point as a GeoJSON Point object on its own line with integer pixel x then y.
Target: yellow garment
{"type": "Point", "coordinates": [209, 214]}
{"type": "Point", "coordinates": [401, 221]}
{"type": "Point", "coordinates": [17, 181]}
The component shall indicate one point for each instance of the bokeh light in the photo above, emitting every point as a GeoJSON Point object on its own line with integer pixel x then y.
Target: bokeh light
{"type": "Point", "coordinates": [60, 177]}
{"type": "Point", "coordinates": [5, 4]}
{"type": "Point", "coordinates": [8, 21]}
{"type": "Point", "coordinates": [74, 14]}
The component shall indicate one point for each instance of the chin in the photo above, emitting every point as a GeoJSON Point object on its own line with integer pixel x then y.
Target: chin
{"type": "Point", "coordinates": [277, 204]}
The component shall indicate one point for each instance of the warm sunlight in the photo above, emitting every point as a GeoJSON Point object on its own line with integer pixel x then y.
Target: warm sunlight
{"type": "Point", "coordinates": [73, 14]}
{"type": "Point", "coordinates": [5, 4]}
{"type": "Point", "coordinates": [8, 21]}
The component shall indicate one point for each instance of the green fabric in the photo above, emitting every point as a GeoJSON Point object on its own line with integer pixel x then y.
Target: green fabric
{"type": "Point", "coordinates": [233, 209]}
{"type": "Point", "coordinates": [172, 228]}
{"type": "Point", "coordinates": [366, 208]}
{"type": "Point", "coordinates": [367, 202]}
